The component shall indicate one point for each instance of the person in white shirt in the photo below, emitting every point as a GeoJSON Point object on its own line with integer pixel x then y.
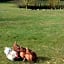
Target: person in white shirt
{"type": "Point", "coordinates": [10, 54]}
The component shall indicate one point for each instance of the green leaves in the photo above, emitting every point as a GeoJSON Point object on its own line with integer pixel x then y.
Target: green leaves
{"type": "Point", "coordinates": [53, 3]}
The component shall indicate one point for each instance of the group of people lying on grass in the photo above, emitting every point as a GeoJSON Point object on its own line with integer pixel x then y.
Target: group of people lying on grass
{"type": "Point", "coordinates": [20, 53]}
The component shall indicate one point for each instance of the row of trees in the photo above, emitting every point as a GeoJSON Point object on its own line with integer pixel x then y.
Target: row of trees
{"type": "Point", "coordinates": [51, 3]}
{"type": "Point", "coordinates": [4, 0]}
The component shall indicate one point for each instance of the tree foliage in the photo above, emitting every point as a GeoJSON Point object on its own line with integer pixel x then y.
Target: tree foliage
{"type": "Point", "coordinates": [51, 3]}
{"type": "Point", "coordinates": [4, 0]}
{"type": "Point", "coordinates": [54, 3]}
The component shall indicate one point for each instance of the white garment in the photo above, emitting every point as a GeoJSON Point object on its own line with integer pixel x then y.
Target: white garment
{"type": "Point", "coordinates": [10, 54]}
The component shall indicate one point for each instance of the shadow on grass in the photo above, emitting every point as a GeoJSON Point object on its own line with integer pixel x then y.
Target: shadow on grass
{"type": "Point", "coordinates": [43, 59]}
{"type": "Point", "coordinates": [40, 59]}
{"type": "Point", "coordinates": [18, 59]}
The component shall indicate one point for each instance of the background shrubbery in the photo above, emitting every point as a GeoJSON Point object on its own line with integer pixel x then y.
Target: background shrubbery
{"type": "Point", "coordinates": [40, 3]}
{"type": "Point", "coordinates": [5, 0]}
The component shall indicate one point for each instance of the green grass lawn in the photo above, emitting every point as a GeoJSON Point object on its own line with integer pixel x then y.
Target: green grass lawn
{"type": "Point", "coordinates": [40, 30]}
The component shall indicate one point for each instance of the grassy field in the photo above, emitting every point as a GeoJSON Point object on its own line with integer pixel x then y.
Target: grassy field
{"type": "Point", "coordinates": [40, 30]}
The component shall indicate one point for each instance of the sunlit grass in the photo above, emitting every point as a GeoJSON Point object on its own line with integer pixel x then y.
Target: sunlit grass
{"type": "Point", "coordinates": [39, 30]}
